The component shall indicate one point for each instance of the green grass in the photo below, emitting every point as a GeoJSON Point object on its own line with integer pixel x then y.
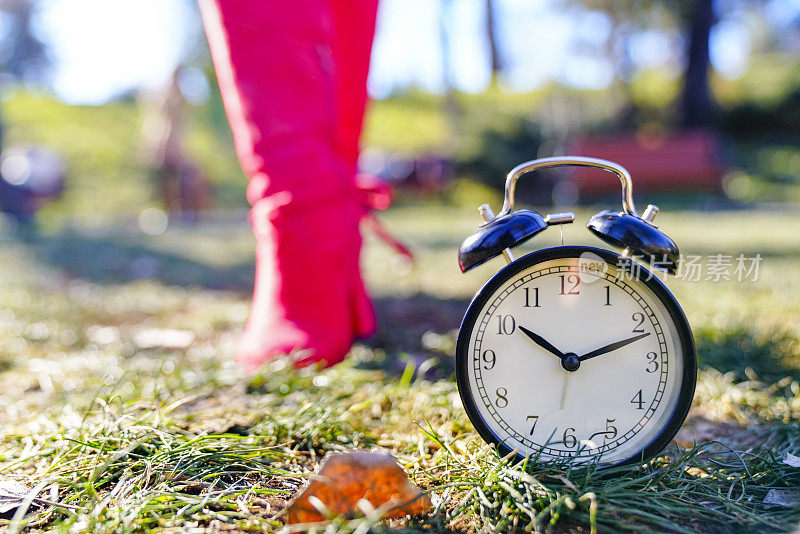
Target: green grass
{"type": "Point", "coordinates": [134, 437]}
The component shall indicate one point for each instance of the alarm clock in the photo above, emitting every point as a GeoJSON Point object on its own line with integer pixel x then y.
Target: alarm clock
{"type": "Point", "coordinates": [575, 353]}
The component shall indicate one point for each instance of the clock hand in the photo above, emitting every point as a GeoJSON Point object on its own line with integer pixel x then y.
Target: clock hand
{"type": "Point", "coordinates": [542, 342]}
{"type": "Point", "coordinates": [612, 346]}
{"type": "Point", "coordinates": [564, 391]}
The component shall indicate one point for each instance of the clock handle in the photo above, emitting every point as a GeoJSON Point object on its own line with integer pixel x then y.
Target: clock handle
{"type": "Point", "coordinates": [544, 163]}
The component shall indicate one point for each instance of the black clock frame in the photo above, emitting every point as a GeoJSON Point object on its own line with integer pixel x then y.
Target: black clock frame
{"type": "Point", "coordinates": [688, 380]}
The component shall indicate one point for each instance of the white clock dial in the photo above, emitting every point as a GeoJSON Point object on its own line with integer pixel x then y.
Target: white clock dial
{"type": "Point", "coordinates": [570, 357]}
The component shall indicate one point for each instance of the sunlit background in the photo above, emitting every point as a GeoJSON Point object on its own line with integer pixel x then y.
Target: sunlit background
{"type": "Point", "coordinates": [463, 89]}
{"type": "Point", "coordinates": [101, 49]}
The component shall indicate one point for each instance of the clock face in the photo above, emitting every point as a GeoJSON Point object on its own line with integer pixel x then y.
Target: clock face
{"type": "Point", "coordinates": [569, 353]}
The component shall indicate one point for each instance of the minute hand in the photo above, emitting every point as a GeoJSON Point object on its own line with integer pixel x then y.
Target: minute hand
{"type": "Point", "coordinates": [612, 346]}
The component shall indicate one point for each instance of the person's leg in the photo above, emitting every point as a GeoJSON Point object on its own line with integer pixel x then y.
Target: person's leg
{"type": "Point", "coordinates": [277, 76]}
{"type": "Point", "coordinates": [353, 32]}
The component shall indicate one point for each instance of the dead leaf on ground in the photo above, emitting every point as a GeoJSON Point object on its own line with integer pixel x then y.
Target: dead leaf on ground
{"type": "Point", "coordinates": [12, 495]}
{"type": "Point", "coordinates": [786, 498]}
{"type": "Point", "coordinates": [791, 460]}
{"type": "Point", "coordinates": [344, 479]}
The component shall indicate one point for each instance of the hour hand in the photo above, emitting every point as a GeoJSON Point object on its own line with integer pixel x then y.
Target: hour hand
{"type": "Point", "coordinates": [612, 346]}
{"type": "Point", "coordinates": [542, 342]}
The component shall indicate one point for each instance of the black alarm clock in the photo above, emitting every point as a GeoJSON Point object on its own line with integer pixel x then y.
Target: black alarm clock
{"type": "Point", "coordinates": [575, 352]}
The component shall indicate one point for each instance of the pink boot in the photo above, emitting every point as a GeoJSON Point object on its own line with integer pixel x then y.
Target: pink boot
{"type": "Point", "coordinates": [293, 81]}
{"type": "Point", "coordinates": [308, 295]}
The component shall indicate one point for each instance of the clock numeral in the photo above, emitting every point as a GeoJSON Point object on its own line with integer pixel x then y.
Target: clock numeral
{"type": "Point", "coordinates": [535, 420]}
{"type": "Point", "coordinates": [608, 296]}
{"type": "Point", "coordinates": [489, 355]}
{"type": "Point", "coordinates": [639, 328]}
{"type": "Point", "coordinates": [502, 400]}
{"type": "Point", "coordinates": [569, 440]}
{"type": "Point", "coordinates": [609, 433]}
{"type": "Point", "coordinates": [535, 298]}
{"type": "Point", "coordinates": [610, 429]}
{"type": "Point", "coordinates": [506, 324]}
{"type": "Point", "coordinates": [652, 365]}
{"type": "Point", "coordinates": [571, 279]}
{"type": "Point", "coordinates": [637, 399]}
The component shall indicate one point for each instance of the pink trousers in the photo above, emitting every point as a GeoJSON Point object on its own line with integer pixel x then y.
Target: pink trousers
{"type": "Point", "coordinates": [293, 81]}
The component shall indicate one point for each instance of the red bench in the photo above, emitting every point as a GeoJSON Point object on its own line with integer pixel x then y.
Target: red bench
{"type": "Point", "coordinates": [686, 161]}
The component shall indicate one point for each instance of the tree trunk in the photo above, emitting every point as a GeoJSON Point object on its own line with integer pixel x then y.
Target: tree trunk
{"type": "Point", "coordinates": [451, 109]}
{"type": "Point", "coordinates": [696, 105]}
{"type": "Point", "coordinates": [491, 35]}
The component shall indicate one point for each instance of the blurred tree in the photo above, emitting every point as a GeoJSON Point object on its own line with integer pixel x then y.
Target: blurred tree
{"type": "Point", "coordinates": [627, 17]}
{"type": "Point", "coordinates": [495, 59]}
{"type": "Point", "coordinates": [694, 19]}
{"type": "Point", "coordinates": [24, 56]}
{"type": "Point", "coordinates": [696, 105]}
{"type": "Point", "coordinates": [451, 108]}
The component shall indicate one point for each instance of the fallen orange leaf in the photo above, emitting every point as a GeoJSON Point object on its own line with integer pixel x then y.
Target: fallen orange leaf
{"type": "Point", "coordinates": [346, 478]}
